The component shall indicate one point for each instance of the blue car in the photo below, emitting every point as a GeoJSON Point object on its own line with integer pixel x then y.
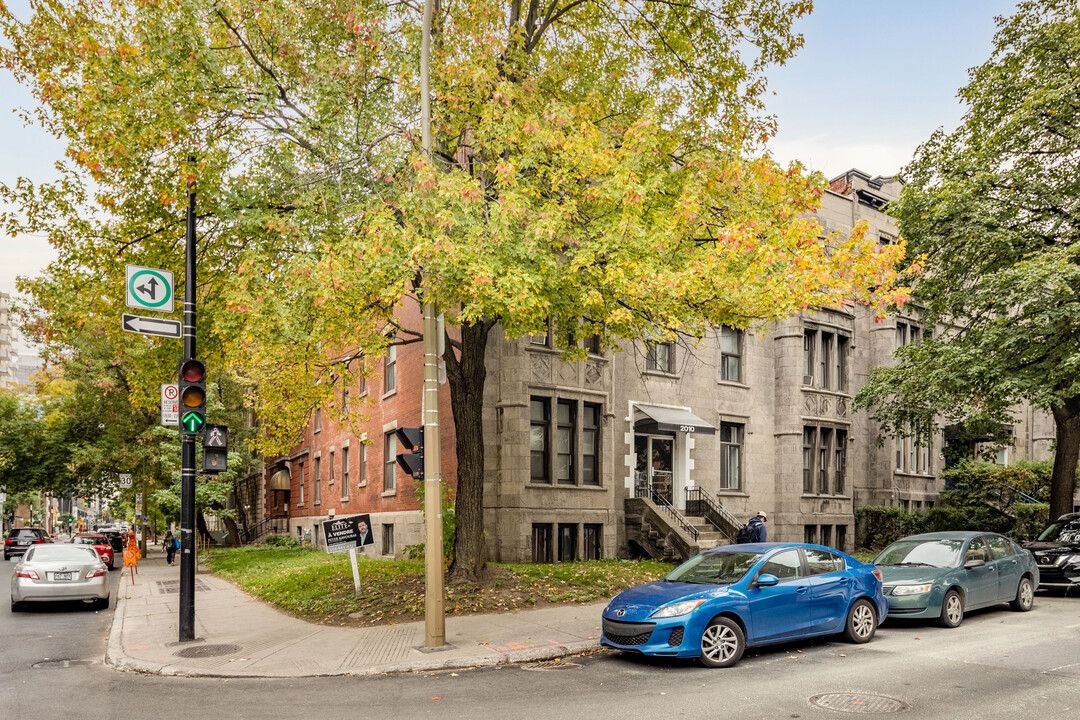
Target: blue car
{"type": "Point", "coordinates": [724, 600]}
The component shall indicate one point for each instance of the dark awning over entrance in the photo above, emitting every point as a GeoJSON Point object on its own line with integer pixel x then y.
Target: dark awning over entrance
{"type": "Point", "coordinates": [670, 420]}
{"type": "Point", "coordinates": [281, 480]}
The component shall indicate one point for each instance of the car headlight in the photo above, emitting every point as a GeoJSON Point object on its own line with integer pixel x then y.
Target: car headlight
{"type": "Point", "coordinates": [912, 589]}
{"type": "Point", "coordinates": [677, 609]}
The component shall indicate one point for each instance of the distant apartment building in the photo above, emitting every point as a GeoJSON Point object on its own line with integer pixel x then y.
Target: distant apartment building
{"type": "Point", "coordinates": [654, 450]}
{"type": "Point", "coordinates": [9, 358]}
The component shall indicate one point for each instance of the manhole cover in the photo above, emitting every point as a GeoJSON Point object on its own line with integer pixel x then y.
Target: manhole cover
{"type": "Point", "coordinates": [550, 665]}
{"type": "Point", "coordinates": [54, 664]}
{"type": "Point", "coordinates": [858, 703]}
{"type": "Point", "coordinates": [203, 651]}
{"type": "Point", "coordinates": [173, 586]}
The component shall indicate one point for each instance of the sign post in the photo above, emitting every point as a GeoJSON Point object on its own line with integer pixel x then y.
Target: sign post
{"type": "Point", "coordinates": [346, 535]}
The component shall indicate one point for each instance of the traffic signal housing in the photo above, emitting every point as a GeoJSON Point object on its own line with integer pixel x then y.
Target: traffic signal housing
{"type": "Point", "coordinates": [215, 449]}
{"type": "Point", "coordinates": [412, 461]}
{"type": "Point", "coordinates": [86, 502]}
{"type": "Point", "coordinates": [192, 396]}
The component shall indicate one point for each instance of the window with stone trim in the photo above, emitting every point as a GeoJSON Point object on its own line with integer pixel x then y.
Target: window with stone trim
{"type": "Point", "coordinates": [539, 447]}
{"type": "Point", "coordinates": [301, 464]}
{"type": "Point", "coordinates": [731, 352]}
{"type": "Point", "coordinates": [390, 370]}
{"type": "Point", "coordinates": [590, 444]}
{"type": "Point", "coordinates": [566, 445]}
{"type": "Point", "coordinates": [567, 542]}
{"type": "Point", "coordinates": [731, 440]}
{"type": "Point", "coordinates": [593, 537]}
{"type": "Point", "coordinates": [541, 542]}
{"type": "Point", "coordinates": [345, 474]}
{"type": "Point", "coordinates": [565, 426]}
{"type": "Point", "coordinates": [660, 357]}
{"type": "Point", "coordinates": [317, 480]}
{"type": "Point", "coordinates": [390, 461]}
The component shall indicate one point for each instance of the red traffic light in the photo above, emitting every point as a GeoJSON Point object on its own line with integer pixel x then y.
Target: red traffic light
{"type": "Point", "coordinates": [193, 371]}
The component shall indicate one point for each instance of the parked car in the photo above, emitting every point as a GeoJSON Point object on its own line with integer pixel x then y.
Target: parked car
{"type": "Point", "coordinates": [116, 540]}
{"type": "Point", "coordinates": [99, 542]}
{"type": "Point", "coordinates": [58, 572]}
{"type": "Point", "coordinates": [724, 600]}
{"type": "Point", "coordinates": [19, 540]}
{"type": "Point", "coordinates": [1057, 552]}
{"type": "Point", "coordinates": [943, 575]}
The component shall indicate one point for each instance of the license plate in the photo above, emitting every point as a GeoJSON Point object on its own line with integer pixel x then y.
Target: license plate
{"type": "Point", "coordinates": [62, 576]}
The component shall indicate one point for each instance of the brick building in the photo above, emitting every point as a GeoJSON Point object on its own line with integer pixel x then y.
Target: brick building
{"type": "Point", "coordinates": [657, 450]}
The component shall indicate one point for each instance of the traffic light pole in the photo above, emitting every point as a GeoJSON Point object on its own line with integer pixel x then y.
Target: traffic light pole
{"type": "Point", "coordinates": [434, 612]}
{"type": "Point", "coordinates": [187, 441]}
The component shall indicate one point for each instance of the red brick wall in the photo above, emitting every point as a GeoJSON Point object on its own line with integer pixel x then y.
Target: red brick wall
{"type": "Point", "coordinates": [369, 413]}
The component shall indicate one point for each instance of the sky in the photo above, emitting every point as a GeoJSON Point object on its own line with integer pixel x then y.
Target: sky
{"type": "Point", "coordinates": [874, 80]}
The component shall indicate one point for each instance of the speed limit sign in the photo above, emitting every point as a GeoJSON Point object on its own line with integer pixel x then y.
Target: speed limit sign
{"type": "Point", "coordinates": [170, 404]}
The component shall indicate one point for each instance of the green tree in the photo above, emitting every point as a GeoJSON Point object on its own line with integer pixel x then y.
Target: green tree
{"type": "Point", "coordinates": [995, 207]}
{"type": "Point", "coordinates": [597, 167]}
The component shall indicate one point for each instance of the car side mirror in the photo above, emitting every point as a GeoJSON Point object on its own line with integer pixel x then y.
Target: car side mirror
{"type": "Point", "coordinates": [972, 564]}
{"type": "Point", "coordinates": [767, 580]}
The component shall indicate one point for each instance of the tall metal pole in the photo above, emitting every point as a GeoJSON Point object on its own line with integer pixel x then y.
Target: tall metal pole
{"type": "Point", "coordinates": [187, 442]}
{"type": "Point", "coordinates": [434, 615]}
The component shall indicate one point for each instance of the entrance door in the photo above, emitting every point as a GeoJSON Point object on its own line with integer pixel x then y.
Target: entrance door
{"type": "Point", "coordinates": [655, 467]}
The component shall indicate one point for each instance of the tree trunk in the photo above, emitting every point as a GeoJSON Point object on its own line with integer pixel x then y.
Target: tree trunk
{"type": "Point", "coordinates": [1063, 481]}
{"type": "Point", "coordinates": [467, 374]}
{"type": "Point", "coordinates": [234, 532]}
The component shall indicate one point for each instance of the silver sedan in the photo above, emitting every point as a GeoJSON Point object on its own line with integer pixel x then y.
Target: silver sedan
{"type": "Point", "coordinates": [55, 573]}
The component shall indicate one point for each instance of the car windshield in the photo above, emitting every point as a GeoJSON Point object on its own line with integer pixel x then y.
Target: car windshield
{"type": "Point", "coordinates": [90, 540]}
{"type": "Point", "coordinates": [715, 568]}
{"type": "Point", "coordinates": [1062, 532]}
{"type": "Point", "coordinates": [939, 553]}
{"type": "Point", "coordinates": [23, 533]}
{"type": "Point", "coordinates": [61, 553]}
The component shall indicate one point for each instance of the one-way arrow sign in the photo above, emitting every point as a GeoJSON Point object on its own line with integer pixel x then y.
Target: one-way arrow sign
{"type": "Point", "coordinates": [151, 326]}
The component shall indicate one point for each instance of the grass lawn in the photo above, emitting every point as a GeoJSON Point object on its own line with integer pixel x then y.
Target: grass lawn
{"type": "Point", "coordinates": [319, 587]}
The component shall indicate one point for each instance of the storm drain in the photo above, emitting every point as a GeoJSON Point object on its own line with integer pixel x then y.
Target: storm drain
{"type": "Point", "coordinates": [550, 665]}
{"type": "Point", "coordinates": [59, 664]}
{"type": "Point", "coordinates": [171, 587]}
{"type": "Point", "coordinates": [858, 703]}
{"type": "Point", "coordinates": [205, 651]}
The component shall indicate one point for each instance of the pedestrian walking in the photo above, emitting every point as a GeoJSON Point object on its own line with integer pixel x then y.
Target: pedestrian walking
{"type": "Point", "coordinates": [757, 526]}
{"type": "Point", "coordinates": [170, 544]}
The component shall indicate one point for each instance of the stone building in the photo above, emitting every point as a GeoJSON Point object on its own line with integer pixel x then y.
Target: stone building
{"type": "Point", "coordinates": [658, 450]}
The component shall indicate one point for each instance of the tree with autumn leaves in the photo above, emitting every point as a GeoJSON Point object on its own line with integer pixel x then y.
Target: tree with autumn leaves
{"type": "Point", "coordinates": [597, 168]}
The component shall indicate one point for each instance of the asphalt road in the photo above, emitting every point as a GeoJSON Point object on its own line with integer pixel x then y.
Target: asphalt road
{"type": "Point", "coordinates": [998, 664]}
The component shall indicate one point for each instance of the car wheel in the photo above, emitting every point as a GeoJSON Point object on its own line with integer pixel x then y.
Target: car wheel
{"type": "Point", "coordinates": [1025, 596]}
{"type": "Point", "coordinates": [722, 643]}
{"type": "Point", "coordinates": [952, 609]}
{"type": "Point", "coordinates": [861, 622]}
{"type": "Point", "coordinates": [16, 606]}
{"type": "Point", "coordinates": [102, 604]}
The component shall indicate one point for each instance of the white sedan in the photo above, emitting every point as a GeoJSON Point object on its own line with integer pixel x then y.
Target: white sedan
{"type": "Point", "coordinates": [57, 573]}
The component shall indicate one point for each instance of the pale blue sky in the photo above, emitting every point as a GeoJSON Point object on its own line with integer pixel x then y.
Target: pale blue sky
{"type": "Point", "coordinates": [874, 79]}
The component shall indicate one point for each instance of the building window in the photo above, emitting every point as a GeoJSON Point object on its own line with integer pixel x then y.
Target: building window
{"type": "Point", "coordinates": [590, 445]}
{"type": "Point", "coordinates": [809, 439]}
{"type": "Point", "coordinates": [731, 437]}
{"type": "Point", "coordinates": [841, 537]}
{"type": "Point", "coordinates": [539, 417]}
{"type": "Point", "coordinates": [344, 474]}
{"type": "Point", "coordinates": [389, 462]}
{"type": "Point", "coordinates": [345, 401]}
{"type": "Point", "coordinates": [567, 542]}
{"type": "Point", "coordinates": [810, 534]}
{"type": "Point", "coordinates": [901, 334]}
{"type": "Point", "coordinates": [826, 537]}
{"type": "Point", "coordinates": [730, 354]}
{"type": "Point", "coordinates": [301, 482]}
{"type": "Point", "coordinates": [390, 372]}
{"type": "Point", "coordinates": [925, 446]}
{"type": "Point", "coordinates": [318, 480]}
{"type": "Point", "coordinates": [592, 345]}
{"type": "Point", "coordinates": [899, 453]}
{"type": "Point", "coordinates": [809, 343]}
{"type": "Point", "coordinates": [318, 420]}
{"type": "Point", "coordinates": [387, 539]}
{"type": "Point", "coordinates": [660, 357]}
{"type": "Point", "coordinates": [363, 464]}
{"type": "Point", "coordinates": [564, 442]}
{"type": "Point", "coordinates": [843, 344]}
{"type": "Point", "coordinates": [823, 450]}
{"type": "Point", "coordinates": [363, 385]}
{"type": "Point", "coordinates": [542, 340]}
{"type": "Point", "coordinates": [826, 365]}
{"type": "Point", "coordinates": [541, 543]}
{"type": "Point", "coordinates": [593, 537]}
{"type": "Point", "coordinates": [840, 463]}
{"type": "Point", "coordinates": [331, 467]}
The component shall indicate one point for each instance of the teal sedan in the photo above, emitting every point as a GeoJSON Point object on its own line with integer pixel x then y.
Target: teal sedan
{"type": "Point", "coordinates": [942, 575]}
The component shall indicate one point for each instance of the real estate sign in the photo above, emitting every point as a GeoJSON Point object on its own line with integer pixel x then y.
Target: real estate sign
{"type": "Point", "coordinates": [348, 533]}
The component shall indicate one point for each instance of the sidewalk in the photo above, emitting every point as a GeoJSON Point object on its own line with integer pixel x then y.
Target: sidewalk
{"type": "Point", "coordinates": [239, 636]}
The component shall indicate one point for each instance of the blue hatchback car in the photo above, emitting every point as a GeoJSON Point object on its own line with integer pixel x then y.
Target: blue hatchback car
{"type": "Point", "coordinates": [724, 600]}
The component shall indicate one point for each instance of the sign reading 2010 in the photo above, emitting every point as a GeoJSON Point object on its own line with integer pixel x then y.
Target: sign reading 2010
{"type": "Point", "coordinates": [149, 289]}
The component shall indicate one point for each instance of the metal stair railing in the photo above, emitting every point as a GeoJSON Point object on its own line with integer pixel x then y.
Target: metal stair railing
{"type": "Point", "coordinates": [256, 531]}
{"type": "Point", "coordinates": [649, 492]}
{"type": "Point", "coordinates": [699, 503]}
